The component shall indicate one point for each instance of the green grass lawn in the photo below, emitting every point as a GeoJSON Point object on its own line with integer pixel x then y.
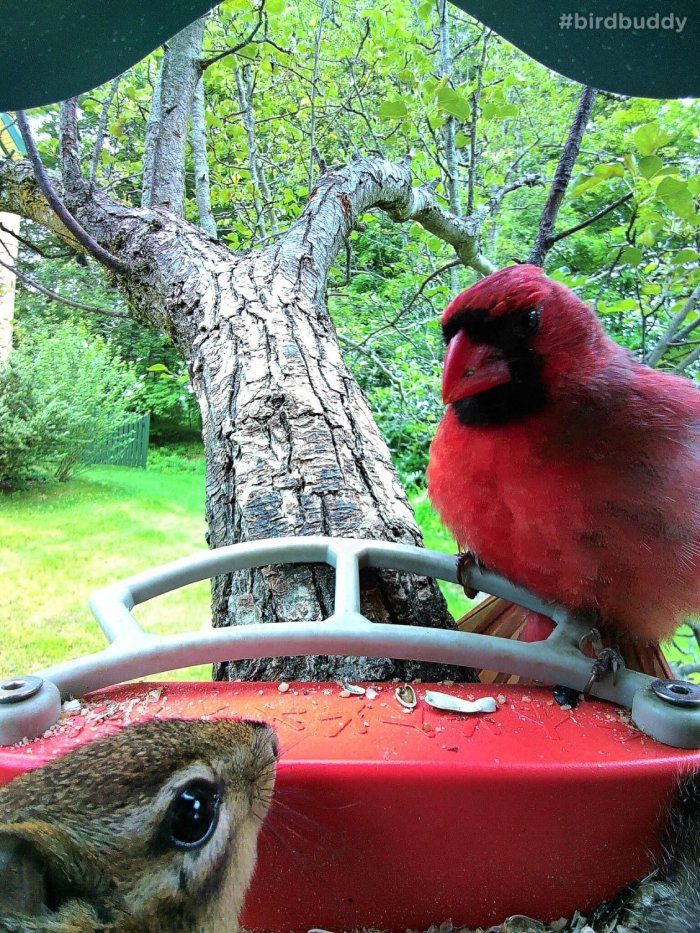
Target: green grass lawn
{"type": "Point", "coordinates": [61, 542]}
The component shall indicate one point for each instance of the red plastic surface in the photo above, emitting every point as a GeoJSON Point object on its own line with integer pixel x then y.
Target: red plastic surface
{"type": "Point", "coordinates": [395, 820]}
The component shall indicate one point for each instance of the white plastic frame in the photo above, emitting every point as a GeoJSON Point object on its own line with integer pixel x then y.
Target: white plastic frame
{"type": "Point", "coordinates": [132, 652]}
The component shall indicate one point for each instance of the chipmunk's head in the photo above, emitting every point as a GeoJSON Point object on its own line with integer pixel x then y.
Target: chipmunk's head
{"type": "Point", "coordinates": [154, 828]}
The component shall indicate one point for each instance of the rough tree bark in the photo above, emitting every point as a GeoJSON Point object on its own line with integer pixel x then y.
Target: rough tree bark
{"type": "Point", "coordinates": [290, 442]}
{"type": "Point", "coordinates": [166, 132]}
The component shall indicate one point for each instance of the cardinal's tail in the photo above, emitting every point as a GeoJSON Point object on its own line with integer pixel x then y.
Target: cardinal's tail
{"type": "Point", "coordinates": [495, 616]}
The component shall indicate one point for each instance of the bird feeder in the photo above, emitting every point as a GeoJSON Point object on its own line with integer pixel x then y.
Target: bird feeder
{"type": "Point", "coordinates": [409, 803]}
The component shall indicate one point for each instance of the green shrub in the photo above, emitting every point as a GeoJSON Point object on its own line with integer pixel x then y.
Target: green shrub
{"type": "Point", "coordinates": [60, 395]}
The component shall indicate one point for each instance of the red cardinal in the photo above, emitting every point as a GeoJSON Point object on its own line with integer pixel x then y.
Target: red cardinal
{"type": "Point", "coordinates": [564, 464]}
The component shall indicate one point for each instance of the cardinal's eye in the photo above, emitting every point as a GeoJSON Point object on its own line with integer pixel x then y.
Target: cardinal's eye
{"type": "Point", "coordinates": [527, 322]}
{"type": "Point", "coordinates": [192, 816]}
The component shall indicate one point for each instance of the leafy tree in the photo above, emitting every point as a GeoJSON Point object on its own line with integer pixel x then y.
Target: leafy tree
{"type": "Point", "coordinates": [60, 397]}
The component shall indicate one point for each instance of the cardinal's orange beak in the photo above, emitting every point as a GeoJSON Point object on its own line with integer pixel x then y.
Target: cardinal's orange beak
{"type": "Point", "coordinates": [471, 368]}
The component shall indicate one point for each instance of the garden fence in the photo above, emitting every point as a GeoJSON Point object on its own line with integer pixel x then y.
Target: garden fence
{"type": "Point", "coordinates": [127, 446]}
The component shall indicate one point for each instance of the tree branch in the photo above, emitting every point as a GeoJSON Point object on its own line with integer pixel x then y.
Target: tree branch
{"type": "Point", "coordinates": [343, 195]}
{"type": "Point", "coordinates": [31, 283]}
{"type": "Point", "coordinates": [368, 354]}
{"type": "Point", "coordinates": [208, 62]}
{"type": "Point", "coordinates": [101, 126]}
{"type": "Point", "coordinates": [164, 161]}
{"type": "Point", "coordinates": [64, 215]}
{"type": "Point", "coordinates": [562, 176]}
{"type": "Point", "coordinates": [32, 246]}
{"type": "Point", "coordinates": [658, 350]}
{"type": "Point", "coordinates": [591, 220]}
{"type": "Point", "coordinates": [688, 361]}
{"type": "Point", "coordinates": [527, 181]}
{"type": "Point", "coordinates": [198, 144]}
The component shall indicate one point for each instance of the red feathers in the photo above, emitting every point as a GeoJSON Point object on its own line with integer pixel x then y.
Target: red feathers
{"type": "Point", "coordinates": [579, 475]}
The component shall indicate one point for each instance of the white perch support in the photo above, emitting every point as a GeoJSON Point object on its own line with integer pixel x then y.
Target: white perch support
{"type": "Point", "coordinates": [671, 715]}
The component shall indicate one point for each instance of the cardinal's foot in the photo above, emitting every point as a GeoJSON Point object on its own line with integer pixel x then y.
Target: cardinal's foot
{"type": "Point", "coordinates": [464, 564]}
{"type": "Point", "coordinates": [608, 661]}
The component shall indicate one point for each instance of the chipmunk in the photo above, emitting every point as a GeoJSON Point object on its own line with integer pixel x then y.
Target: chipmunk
{"type": "Point", "coordinates": [151, 830]}
{"type": "Point", "coordinates": [670, 903]}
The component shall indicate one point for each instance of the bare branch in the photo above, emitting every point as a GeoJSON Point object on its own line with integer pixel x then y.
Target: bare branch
{"type": "Point", "coordinates": [198, 144]}
{"type": "Point", "coordinates": [81, 235]}
{"type": "Point", "coordinates": [562, 176]}
{"type": "Point", "coordinates": [207, 62]}
{"type": "Point", "coordinates": [29, 282]}
{"type": "Point", "coordinates": [314, 91]}
{"type": "Point", "coordinates": [476, 103]}
{"type": "Point", "coordinates": [265, 211]}
{"type": "Point", "coordinates": [32, 246]}
{"type": "Point", "coordinates": [688, 361]}
{"type": "Point", "coordinates": [674, 326]}
{"type": "Point", "coordinates": [101, 126]}
{"type": "Point", "coordinates": [527, 181]}
{"type": "Point", "coordinates": [343, 195]}
{"type": "Point", "coordinates": [166, 134]}
{"type": "Point", "coordinates": [591, 220]}
{"type": "Point", "coordinates": [368, 354]}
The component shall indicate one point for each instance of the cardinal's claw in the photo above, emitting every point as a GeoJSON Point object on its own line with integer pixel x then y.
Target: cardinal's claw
{"type": "Point", "coordinates": [464, 562]}
{"type": "Point", "coordinates": [608, 661]}
{"type": "Point", "coordinates": [593, 639]}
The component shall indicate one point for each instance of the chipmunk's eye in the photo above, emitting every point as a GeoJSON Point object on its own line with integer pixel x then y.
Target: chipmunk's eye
{"type": "Point", "coordinates": [192, 816]}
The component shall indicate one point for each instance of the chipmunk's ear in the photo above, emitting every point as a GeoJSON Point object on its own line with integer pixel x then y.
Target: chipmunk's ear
{"type": "Point", "coordinates": [42, 868]}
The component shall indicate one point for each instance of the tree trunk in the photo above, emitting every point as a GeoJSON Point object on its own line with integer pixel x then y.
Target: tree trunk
{"type": "Point", "coordinates": [290, 443]}
{"type": "Point", "coordinates": [291, 449]}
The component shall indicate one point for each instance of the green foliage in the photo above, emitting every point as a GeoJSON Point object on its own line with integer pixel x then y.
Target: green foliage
{"type": "Point", "coordinates": [379, 87]}
{"type": "Point", "coordinates": [161, 386]}
{"type": "Point", "coordinates": [60, 394]}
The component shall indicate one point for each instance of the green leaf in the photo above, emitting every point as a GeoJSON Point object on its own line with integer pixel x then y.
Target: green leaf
{"type": "Point", "coordinates": [650, 165]}
{"type": "Point", "coordinates": [454, 103]}
{"type": "Point", "coordinates": [461, 139]}
{"type": "Point", "coordinates": [585, 182]}
{"type": "Point", "coordinates": [669, 185]}
{"type": "Point", "coordinates": [425, 11]}
{"type": "Point", "coordinates": [157, 368]}
{"type": "Point", "coordinates": [615, 307]}
{"type": "Point", "coordinates": [274, 6]}
{"type": "Point", "coordinates": [609, 170]}
{"type": "Point", "coordinates": [632, 255]}
{"type": "Point", "coordinates": [682, 204]}
{"type": "Point", "coordinates": [650, 137]}
{"type": "Point", "coordinates": [508, 110]}
{"type": "Point", "coordinates": [392, 110]}
{"type": "Point", "coordinates": [685, 255]}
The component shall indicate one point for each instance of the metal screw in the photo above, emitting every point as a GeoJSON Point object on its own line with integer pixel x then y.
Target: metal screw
{"type": "Point", "coordinates": [678, 692]}
{"type": "Point", "coordinates": [19, 688]}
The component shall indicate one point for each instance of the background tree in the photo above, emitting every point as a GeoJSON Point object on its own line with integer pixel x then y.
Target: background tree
{"type": "Point", "coordinates": [299, 275]}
